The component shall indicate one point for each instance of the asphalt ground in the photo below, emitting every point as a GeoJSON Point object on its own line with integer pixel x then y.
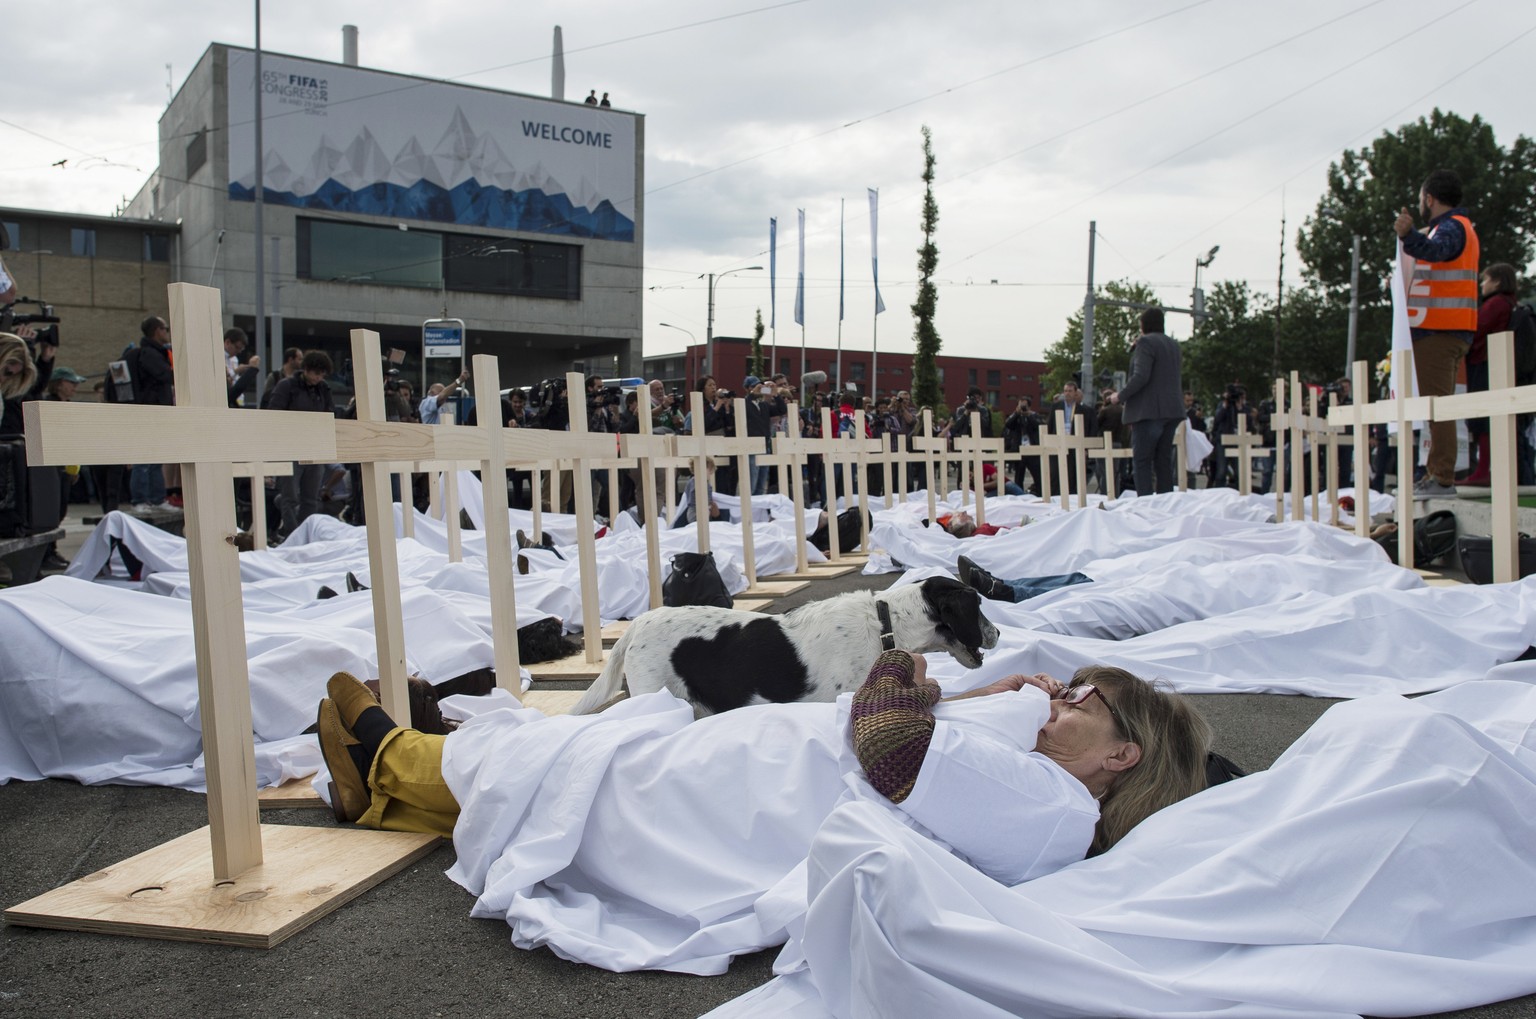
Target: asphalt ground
{"type": "Point", "coordinates": [405, 948]}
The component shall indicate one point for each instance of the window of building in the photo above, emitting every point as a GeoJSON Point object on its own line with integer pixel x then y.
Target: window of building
{"type": "Point", "coordinates": [941, 375]}
{"type": "Point", "coordinates": [13, 232]}
{"type": "Point", "coordinates": [157, 248]}
{"type": "Point", "coordinates": [993, 399]}
{"type": "Point", "coordinates": [504, 265]}
{"type": "Point", "coordinates": [197, 152]}
{"type": "Point", "coordinates": [970, 376]}
{"type": "Point", "coordinates": [1026, 378]}
{"type": "Point", "coordinates": [784, 366]}
{"type": "Point", "coordinates": [82, 242]}
{"type": "Point", "coordinates": [994, 377]}
{"type": "Point", "coordinates": [354, 253]}
{"type": "Point", "coordinates": [857, 371]}
{"type": "Point", "coordinates": [1013, 377]}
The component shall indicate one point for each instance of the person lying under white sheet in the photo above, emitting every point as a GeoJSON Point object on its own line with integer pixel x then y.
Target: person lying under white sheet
{"type": "Point", "coordinates": [637, 838]}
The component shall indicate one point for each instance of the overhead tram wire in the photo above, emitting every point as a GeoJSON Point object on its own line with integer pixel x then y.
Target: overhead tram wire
{"type": "Point", "coordinates": [1480, 61]}
{"type": "Point", "coordinates": [932, 95]}
{"type": "Point", "coordinates": [1267, 107]}
{"type": "Point", "coordinates": [912, 196]}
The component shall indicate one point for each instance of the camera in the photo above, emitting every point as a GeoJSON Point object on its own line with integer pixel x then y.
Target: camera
{"type": "Point", "coordinates": [725, 394]}
{"type": "Point", "coordinates": [43, 317]}
{"type": "Point", "coordinates": [613, 396]}
{"type": "Point", "coordinates": [392, 381]}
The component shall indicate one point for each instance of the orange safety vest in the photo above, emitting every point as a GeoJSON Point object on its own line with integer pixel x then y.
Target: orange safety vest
{"type": "Point", "coordinates": [1443, 295]}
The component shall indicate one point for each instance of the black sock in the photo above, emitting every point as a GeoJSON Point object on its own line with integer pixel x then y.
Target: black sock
{"type": "Point", "coordinates": [362, 759]}
{"type": "Point", "coordinates": [371, 727]}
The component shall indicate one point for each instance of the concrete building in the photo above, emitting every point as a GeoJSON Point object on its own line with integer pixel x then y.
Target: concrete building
{"type": "Point", "coordinates": [1001, 381]}
{"type": "Point", "coordinates": [102, 275]}
{"type": "Point", "coordinates": [389, 200]}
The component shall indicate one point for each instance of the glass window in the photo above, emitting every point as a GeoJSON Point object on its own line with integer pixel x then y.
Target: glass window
{"type": "Point", "coordinates": [197, 152]}
{"type": "Point", "coordinates": [856, 370]}
{"type": "Point", "coordinates": [354, 253]}
{"type": "Point", "coordinates": [970, 376]}
{"type": "Point", "coordinates": [82, 242]}
{"type": "Point", "coordinates": [994, 377]}
{"type": "Point", "coordinates": [506, 265]}
{"type": "Point", "coordinates": [13, 231]}
{"type": "Point", "coordinates": [157, 248]}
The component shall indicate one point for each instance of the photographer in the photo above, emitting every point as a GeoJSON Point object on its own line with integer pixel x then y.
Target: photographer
{"type": "Point", "coordinates": [960, 422]}
{"type": "Point", "coordinates": [1022, 429]}
{"type": "Point", "coordinates": [1234, 406]}
{"type": "Point", "coordinates": [299, 494]}
{"type": "Point", "coordinates": [763, 405]}
{"type": "Point", "coordinates": [717, 410]}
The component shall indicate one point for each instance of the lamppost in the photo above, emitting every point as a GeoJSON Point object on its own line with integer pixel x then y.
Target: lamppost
{"type": "Point", "coordinates": [709, 333]}
{"type": "Point", "coordinates": [1197, 296]}
{"type": "Point", "coordinates": [668, 325]}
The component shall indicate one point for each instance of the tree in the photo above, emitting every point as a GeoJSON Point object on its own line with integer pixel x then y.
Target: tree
{"type": "Point", "coordinates": [755, 361]}
{"type": "Point", "coordinates": [925, 371]}
{"type": "Point", "coordinates": [1233, 345]}
{"type": "Point", "coordinates": [1366, 188]}
{"type": "Point", "coordinates": [1113, 330]}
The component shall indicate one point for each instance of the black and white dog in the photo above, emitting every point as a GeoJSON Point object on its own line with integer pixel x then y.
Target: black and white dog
{"type": "Point", "coordinates": [718, 659]}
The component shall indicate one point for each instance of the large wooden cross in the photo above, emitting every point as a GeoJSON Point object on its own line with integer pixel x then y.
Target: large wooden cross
{"type": "Point", "coordinates": [1244, 445]}
{"type": "Point", "coordinates": [646, 448]}
{"type": "Point", "coordinates": [1109, 453]}
{"type": "Point", "coordinates": [1070, 450]}
{"type": "Point", "coordinates": [982, 449]}
{"type": "Point", "coordinates": [1404, 411]}
{"type": "Point", "coordinates": [237, 881]}
{"type": "Point", "coordinates": [1281, 422]}
{"type": "Point", "coordinates": [258, 473]}
{"type": "Point", "coordinates": [1499, 404]}
{"type": "Point", "coordinates": [852, 454]}
{"type": "Point", "coordinates": [934, 450]}
{"type": "Point", "coordinates": [792, 448]}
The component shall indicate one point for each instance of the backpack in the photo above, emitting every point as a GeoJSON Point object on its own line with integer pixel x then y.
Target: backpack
{"type": "Point", "coordinates": [1434, 537]}
{"type": "Point", "coordinates": [1522, 322]}
{"type": "Point", "coordinates": [695, 580]}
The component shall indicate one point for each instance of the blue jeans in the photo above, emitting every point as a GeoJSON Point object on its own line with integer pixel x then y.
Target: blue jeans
{"type": "Point", "coordinates": [1025, 588]}
{"type": "Point", "coordinates": [146, 485]}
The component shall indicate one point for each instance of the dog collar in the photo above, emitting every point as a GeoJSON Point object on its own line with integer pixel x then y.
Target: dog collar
{"type": "Point", "coordinates": [887, 638]}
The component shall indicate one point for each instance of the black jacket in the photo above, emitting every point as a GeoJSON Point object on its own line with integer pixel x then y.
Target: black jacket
{"type": "Point", "coordinates": [295, 393]}
{"type": "Point", "coordinates": [154, 380]}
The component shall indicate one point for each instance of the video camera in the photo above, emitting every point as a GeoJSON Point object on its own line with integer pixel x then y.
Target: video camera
{"type": "Point", "coordinates": [45, 317]}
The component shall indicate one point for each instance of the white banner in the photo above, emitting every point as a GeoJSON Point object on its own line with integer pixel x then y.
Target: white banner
{"type": "Point", "coordinates": [345, 139]}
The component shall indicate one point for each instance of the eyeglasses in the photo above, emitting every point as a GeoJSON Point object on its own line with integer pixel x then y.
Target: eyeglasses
{"type": "Point", "coordinates": [1078, 694]}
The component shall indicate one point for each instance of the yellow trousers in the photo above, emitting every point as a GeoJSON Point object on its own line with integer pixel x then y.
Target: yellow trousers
{"type": "Point", "coordinates": [406, 781]}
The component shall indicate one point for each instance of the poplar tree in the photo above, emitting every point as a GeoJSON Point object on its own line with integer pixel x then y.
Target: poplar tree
{"type": "Point", "coordinates": [925, 372]}
{"type": "Point", "coordinates": [755, 362]}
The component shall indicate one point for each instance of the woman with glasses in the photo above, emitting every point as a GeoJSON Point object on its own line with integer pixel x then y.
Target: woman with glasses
{"type": "Point", "coordinates": [637, 838]}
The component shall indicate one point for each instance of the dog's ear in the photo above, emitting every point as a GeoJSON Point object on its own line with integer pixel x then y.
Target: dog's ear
{"type": "Point", "coordinates": [957, 607]}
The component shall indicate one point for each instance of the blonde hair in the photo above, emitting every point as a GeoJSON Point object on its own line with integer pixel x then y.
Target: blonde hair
{"type": "Point", "coordinates": [1174, 740]}
{"type": "Point", "coordinates": [14, 348]}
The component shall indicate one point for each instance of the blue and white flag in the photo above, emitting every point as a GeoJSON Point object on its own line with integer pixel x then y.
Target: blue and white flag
{"type": "Point", "coordinates": [874, 243]}
{"type": "Point", "coordinates": [800, 277]}
{"type": "Point", "coordinates": [773, 271]}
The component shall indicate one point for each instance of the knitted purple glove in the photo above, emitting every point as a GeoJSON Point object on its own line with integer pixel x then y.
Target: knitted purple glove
{"type": "Point", "coordinates": [893, 725]}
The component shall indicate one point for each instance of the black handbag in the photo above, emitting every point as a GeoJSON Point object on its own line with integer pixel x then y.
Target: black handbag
{"type": "Point", "coordinates": [695, 580]}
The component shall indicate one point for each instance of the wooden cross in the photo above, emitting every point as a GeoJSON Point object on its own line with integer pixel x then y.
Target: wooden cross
{"type": "Point", "coordinates": [221, 883]}
{"type": "Point", "coordinates": [698, 447]}
{"type": "Point", "coordinates": [1404, 410]}
{"type": "Point", "coordinates": [1071, 449]}
{"type": "Point", "coordinates": [259, 473]}
{"type": "Point", "coordinates": [1499, 404]}
{"type": "Point", "coordinates": [1280, 422]}
{"type": "Point", "coordinates": [1245, 446]}
{"type": "Point", "coordinates": [982, 449]}
{"type": "Point", "coordinates": [935, 450]}
{"type": "Point", "coordinates": [1353, 417]}
{"type": "Point", "coordinates": [646, 448]}
{"type": "Point", "coordinates": [794, 446]}
{"type": "Point", "coordinates": [1109, 454]}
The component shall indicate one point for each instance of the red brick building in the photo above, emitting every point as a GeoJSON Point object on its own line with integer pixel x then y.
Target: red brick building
{"type": "Point", "coordinates": [1002, 381]}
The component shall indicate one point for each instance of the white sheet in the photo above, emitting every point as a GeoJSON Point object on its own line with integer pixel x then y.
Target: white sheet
{"type": "Point", "coordinates": [1380, 867]}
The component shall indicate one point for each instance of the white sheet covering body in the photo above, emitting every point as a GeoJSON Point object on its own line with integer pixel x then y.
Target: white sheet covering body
{"type": "Point", "coordinates": [638, 838]}
{"type": "Point", "coordinates": [1382, 866]}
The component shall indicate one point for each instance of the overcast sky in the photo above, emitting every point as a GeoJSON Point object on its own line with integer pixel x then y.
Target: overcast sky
{"type": "Point", "coordinates": [1176, 124]}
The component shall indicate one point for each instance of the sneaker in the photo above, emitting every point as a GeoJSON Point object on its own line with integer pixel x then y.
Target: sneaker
{"type": "Point", "coordinates": [142, 507]}
{"type": "Point", "coordinates": [175, 500]}
{"type": "Point", "coordinates": [53, 561]}
{"type": "Point", "coordinates": [1428, 488]}
{"type": "Point", "coordinates": [167, 507]}
{"type": "Point", "coordinates": [984, 583]}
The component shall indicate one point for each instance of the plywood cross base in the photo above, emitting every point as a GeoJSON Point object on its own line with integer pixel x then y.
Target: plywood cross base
{"type": "Point", "coordinates": [613, 631]}
{"type": "Point", "coordinates": [296, 792]}
{"type": "Point", "coordinates": [815, 572]}
{"type": "Point", "coordinates": [552, 702]}
{"type": "Point", "coordinates": [573, 666]}
{"type": "Point", "coordinates": [773, 588]}
{"type": "Point", "coordinates": [750, 604]}
{"type": "Point", "coordinates": [169, 891]}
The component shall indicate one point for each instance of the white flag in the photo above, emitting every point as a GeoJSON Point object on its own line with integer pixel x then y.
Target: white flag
{"type": "Point", "coordinates": [874, 245]}
{"type": "Point", "coordinates": [1402, 333]}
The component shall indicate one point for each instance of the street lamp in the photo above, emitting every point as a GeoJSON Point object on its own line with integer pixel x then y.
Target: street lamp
{"type": "Point", "coordinates": [1197, 296]}
{"type": "Point", "coordinates": [691, 341]}
{"type": "Point", "coordinates": [709, 333]}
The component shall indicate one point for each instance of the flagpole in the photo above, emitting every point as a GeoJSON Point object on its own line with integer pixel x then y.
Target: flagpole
{"type": "Point", "coordinates": [840, 299]}
{"type": "Point", "coordinates": [874, 271]}
{"type": "Point", "coordinates": [773, 301]}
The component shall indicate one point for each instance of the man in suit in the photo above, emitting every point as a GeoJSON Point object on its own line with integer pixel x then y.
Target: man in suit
{"type": "Point", "coordinates": [1154, 404]}
{"type": "Point", "coordinates": [1080, 419]}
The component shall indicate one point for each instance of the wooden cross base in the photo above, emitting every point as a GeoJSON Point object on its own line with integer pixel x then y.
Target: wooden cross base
{"type": "Point", "coordinates": [169, 892]}
{"type": "Point", "coordinates": [775, 588]}
{"type": "Point", "coordinates": [294, 793]}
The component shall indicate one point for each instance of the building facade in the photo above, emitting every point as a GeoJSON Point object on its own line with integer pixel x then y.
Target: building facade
{"type": "Point", "coordinates": [102, 275]}
{"type": "Point", "coordinates": [391, 200]}
{"type": "Point", "coordinates": [1001, 381]}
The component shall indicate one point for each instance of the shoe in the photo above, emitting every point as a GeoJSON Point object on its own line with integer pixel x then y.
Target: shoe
{"type": "Point", "coordinates": [168, 507]}
{"type": "Point", "coordinates": [142, 507]}
{"type": "Point", "coordinates": [349, 793]}
{"type": "Point", "coordinates": [353, 584]}
{"type": "Point", "coordinates": [1428, 488]}
{"type": "Point", "coordinates": [53, 561]}
{"type": "Point", "coordinates": [523, 541]}
{"type": "Point", "coordinates": [352, 698]}
{"type": "Point", "coordinates": [984, 583]}
{"type": "Point", "coordinates": [522, 564]}
{"type": "Point", "coordinates": [175, 500]}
